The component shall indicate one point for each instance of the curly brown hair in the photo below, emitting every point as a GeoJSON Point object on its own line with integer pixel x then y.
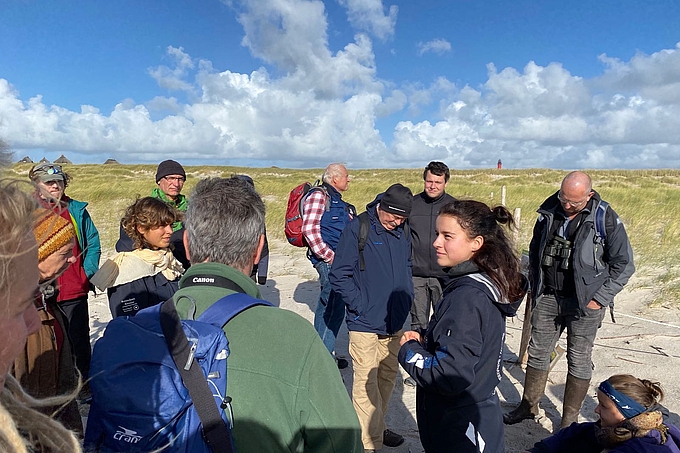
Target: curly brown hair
{"type": "Point", "coordinates": [147, 213]}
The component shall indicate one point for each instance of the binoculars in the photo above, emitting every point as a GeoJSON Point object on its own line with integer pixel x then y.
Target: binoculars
{"type": "Point", "coordinates": [560, 249]}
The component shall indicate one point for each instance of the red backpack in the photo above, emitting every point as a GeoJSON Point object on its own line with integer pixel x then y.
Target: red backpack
{"type": "Point", "coordinates": [296, 199]}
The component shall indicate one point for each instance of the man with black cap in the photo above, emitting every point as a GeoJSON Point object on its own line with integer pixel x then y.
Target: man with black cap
{"type": "Point", "coordinates": [376, 287]}
{"type": "Point", "coordinates": [170, 177]}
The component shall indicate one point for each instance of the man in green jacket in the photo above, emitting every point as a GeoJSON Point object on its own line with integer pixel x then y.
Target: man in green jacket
{"type": "Point", "coordinates": [287, 393]}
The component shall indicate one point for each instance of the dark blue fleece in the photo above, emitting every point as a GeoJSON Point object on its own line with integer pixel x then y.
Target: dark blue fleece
{"type": "Point", "coordinates": [581, 437]}
{"type": "Point", "coordinates": [378, 299]}
{"type": "Point", "coordinates": [458, 366]}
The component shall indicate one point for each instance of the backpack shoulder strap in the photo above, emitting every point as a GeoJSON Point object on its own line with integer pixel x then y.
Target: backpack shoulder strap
{"type": "Point", "coordinates": [314, 187]}
{"type": "Point", "coordinates": [364, 229]}
{"type": "Point", "coordinates": [600, 228]}
{"type": "Point", "coordinates": [215, 431]}
{"type": "Point", "coordinates": [222, 311]}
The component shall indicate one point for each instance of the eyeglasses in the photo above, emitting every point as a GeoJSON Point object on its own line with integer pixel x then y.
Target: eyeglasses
{"type": "Point", "coordinates": [563, 200]}
{"type": "Point", "coordinates": [175, 179]}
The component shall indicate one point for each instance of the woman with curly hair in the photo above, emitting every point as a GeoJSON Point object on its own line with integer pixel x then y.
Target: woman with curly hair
{"type": "Point", "coordinates": [23, 428]}
{"type": "Point", "coordinates": [150, 273]}
{"type": "Point", "coordinates": [629, 422]}
{"type": "Point", "coordinates": [456, 362]}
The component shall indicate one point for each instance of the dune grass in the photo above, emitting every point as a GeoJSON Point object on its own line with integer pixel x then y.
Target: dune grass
{"type": "Point", "coordinates": [646, 200]}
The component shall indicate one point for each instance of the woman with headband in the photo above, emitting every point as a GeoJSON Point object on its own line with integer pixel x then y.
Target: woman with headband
{"type": "Point", "coordinates": [629, 422]}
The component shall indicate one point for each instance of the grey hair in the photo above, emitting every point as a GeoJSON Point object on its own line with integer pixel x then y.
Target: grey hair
{"type": "Point", "coordinates": [224, 222]}
{"type": "Point", "coordinates": [333, 170]}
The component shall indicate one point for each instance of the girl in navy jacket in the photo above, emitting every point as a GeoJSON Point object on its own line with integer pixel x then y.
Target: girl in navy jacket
{"type": "Point", "coordinates": [628, 422]}
{"type": "Point", "coordinates": [457, 361]}
{"type": "Point", "coordinates": [150, 273]}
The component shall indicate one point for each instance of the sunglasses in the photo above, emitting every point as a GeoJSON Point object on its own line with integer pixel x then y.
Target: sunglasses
{"type": "Point", "coordinates": [50, 169]}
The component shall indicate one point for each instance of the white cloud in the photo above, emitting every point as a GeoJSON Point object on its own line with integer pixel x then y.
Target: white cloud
{"type": "Point", "coordinates": [310, 105]}
{"type": "Point", "coordinates": [370, 16]}
{"type": "Point", "coordinates": [439, 46]}
{"type": "Point", "coordinates": [172, 79]}
{"type": "Point", "coordinates": [544, 116]}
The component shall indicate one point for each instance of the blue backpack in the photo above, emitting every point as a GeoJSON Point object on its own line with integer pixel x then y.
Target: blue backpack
{"type": "Point", "coordinates": [145, 397]}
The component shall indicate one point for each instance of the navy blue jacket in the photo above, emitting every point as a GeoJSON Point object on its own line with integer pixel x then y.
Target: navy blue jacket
{"type": "Point", "coordinates": [581, 437]}
{"type": "Point", "coordinates": [459, 365]}
{"type": "Point", "coordinates": [378, 299]}
{"type": "Point", "coordinates": [127, 299]}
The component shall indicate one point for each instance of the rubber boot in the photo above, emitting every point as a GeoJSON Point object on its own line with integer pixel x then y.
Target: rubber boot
{"type": "Point", "coordinates": [534, 386]}
{"type": "Point", "coordinates": [574, 393]}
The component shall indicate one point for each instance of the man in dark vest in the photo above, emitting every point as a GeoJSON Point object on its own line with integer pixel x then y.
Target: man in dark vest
{"type": "Point", "coordinates": [324, 216]}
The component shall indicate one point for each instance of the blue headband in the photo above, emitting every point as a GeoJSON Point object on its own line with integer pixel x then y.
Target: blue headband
{"type": "Point", "coordinates": [628, 407]}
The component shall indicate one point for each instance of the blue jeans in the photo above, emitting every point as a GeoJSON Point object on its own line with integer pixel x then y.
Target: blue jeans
{"type": "Point", "coordinates": [330, 310]}
{"type": "Point", "coordinates": [550, 317]}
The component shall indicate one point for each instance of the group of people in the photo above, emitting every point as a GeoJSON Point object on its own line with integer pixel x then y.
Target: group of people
{"type": "Point", "coordinates": [406, 254]}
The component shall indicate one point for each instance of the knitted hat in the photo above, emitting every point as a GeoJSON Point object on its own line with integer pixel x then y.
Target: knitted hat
{"type": "Point", "coordinates": [46, 172]}
{"type": "Point", "coordinates": [397, 200]}
{"type": "Point", "coordinates": [169, 167]}
{"type": "Point", "coordinates": [52, 232]}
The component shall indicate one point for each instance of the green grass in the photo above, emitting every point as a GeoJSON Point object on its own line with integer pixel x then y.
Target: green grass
{"type": "Point", "coordinates": [646, 200]}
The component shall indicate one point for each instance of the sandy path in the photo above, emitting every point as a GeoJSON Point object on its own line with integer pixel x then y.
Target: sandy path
{"type": "Point", "coordinates": [643, 342]}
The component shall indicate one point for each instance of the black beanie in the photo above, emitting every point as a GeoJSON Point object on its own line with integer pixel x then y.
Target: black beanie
{"type": "Point", "coordinates": [397, 200]}
{"type": "Point", "coordinates": [169, 167]}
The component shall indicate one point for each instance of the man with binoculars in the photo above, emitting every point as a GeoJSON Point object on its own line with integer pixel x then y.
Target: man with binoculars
{"type": "Point", "coordinates": [576, 271]}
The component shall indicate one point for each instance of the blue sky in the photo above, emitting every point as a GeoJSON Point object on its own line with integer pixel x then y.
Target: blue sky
{"type": "Point", "coordinates": [301, 83]}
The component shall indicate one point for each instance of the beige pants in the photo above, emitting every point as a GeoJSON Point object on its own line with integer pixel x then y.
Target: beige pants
{"type": "Point", "coordinates": [374, 359]}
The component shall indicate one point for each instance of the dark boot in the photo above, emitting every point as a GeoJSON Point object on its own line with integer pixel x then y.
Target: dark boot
{"type": "Point", "coordinates": [574, 393]}
{"type": "Point", "coordinates": [534, 386]}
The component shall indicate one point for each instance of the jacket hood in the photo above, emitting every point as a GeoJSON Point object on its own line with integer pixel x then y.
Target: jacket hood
{"type": "Point", "coordinates": [370, 207]}
{"type": "Point", "coordinates": [470, 269]}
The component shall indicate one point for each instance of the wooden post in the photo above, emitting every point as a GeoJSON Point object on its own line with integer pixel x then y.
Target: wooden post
{"type": "Point", "coordinates": [516, 215]}
{"type": "Point", "coordinates": [503, 195]}
{"type": "Point", "coordinates": [522, 354]}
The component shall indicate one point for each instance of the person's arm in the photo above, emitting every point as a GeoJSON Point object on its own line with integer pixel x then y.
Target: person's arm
{"type": "Point", "coordinates": [577, 437]}
{"type": "Point", "coordinates": [618, 255]}
{"type": "Point", "coordinates": [458, 336]}
{"type": "Point", "coordinates": [313, 209]}
{"type": "Point", "coordinates": [91, 246]}
{"type": "Point", "coordinates": [328, 419]}
{"type": "Point", "coordinates": [263, 264]}
{"type": "Point", "coordinates": [345, 265]}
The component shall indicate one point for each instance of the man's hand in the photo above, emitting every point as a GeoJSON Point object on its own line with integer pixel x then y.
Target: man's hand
{"type": "Point", "coordinates": [410, 335]}
{"type": "Point", "coordinates": [594, 305]}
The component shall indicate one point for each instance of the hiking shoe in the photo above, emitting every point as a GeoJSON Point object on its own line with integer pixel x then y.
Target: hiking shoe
{"type": "Point", "coordinates": [409, 381]}
{"type": "Point", "coordinates": [392, 439]}
{"type": "Point", "coordinates": [342, 363]}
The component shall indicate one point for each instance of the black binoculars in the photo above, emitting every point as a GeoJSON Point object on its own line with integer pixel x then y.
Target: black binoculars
{"type": "Point", "coordinates": [558, 248]}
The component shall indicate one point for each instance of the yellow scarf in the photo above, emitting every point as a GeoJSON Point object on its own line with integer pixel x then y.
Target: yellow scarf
{"type": "Point", "coordinates": [126, 267]}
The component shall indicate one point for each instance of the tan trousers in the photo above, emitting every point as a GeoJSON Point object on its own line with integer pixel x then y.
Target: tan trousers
{"type": "Point", "coordinates": [374, 359]}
